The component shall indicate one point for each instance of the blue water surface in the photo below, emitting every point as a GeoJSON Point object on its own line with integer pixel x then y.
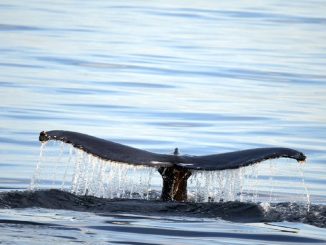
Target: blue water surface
{"type": "Point", "coordinates": [204, 76]}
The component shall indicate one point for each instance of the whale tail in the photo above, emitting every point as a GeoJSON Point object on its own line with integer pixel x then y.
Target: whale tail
{"type": "Point", "coordinates": [175, 169]}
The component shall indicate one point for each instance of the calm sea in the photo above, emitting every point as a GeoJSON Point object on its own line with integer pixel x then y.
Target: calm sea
{"type": "Point", "coordinates": [203, 76]}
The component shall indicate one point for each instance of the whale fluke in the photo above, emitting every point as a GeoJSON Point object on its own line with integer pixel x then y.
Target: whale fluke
{"type": "Point", "coordinates": [238, 159]}
{"type": "Point", "coordinates": [108, 150]}
{"type": "Point", "coordinates": [174, 168]}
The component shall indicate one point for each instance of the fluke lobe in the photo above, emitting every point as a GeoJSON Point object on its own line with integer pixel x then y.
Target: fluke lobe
{"type": "Point", "coordinates": [175, 169]}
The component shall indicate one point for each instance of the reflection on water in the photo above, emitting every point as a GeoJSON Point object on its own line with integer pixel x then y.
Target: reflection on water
{"type": "Point", "coordinates": [206, 77]}
{"type": "Point", "coordinates": [67, 227]}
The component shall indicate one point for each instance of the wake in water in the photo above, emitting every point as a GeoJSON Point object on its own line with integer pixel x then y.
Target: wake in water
{"type": "Point", "coordinates": [233, 211]}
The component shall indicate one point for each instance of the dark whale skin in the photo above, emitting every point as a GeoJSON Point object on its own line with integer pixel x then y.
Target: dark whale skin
{"type": "Point", "coordinates": [174, 169]}
{"type": "Point", "coordinates": [112, 151]}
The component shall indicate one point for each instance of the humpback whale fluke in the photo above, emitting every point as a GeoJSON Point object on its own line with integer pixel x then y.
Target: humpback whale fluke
{"type": "Point", "coordinates": [175, 169]}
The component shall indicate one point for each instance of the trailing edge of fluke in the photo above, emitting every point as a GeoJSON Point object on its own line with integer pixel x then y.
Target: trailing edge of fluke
{"type": "Point", "coordinates": [175, 169]}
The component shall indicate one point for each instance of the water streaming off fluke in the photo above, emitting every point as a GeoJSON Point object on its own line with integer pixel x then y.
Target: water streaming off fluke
{"type": "Point", "coordinates": [84, 174]}
{"type": "Point", "coordinates": [71, 169]}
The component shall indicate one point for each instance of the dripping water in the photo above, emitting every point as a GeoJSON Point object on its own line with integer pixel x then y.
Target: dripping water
{"type": "Point", "coordinates": [81, 173]}
{"type": "Point", "coordinates": [57, 163]}
{"type": "Point", "coordinates": [90, 175]}
{"type": "Point", "coordinates": [255, 183]}
{"type": "Point", "coordinates": [37, 172]}
{"type": "Point", "coordinates": [301, 171]}
{"type": "Point", "coordinates": [67, 167]}
{"type": "Point", "coordinates": [271, 180]}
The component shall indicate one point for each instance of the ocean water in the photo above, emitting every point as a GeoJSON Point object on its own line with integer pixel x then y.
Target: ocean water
{"type": "Point", "coordinates": [204, 76]}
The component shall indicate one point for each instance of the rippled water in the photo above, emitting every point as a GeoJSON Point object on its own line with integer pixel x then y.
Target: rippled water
{"type": "Point", "coordinates": [206, 77]}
